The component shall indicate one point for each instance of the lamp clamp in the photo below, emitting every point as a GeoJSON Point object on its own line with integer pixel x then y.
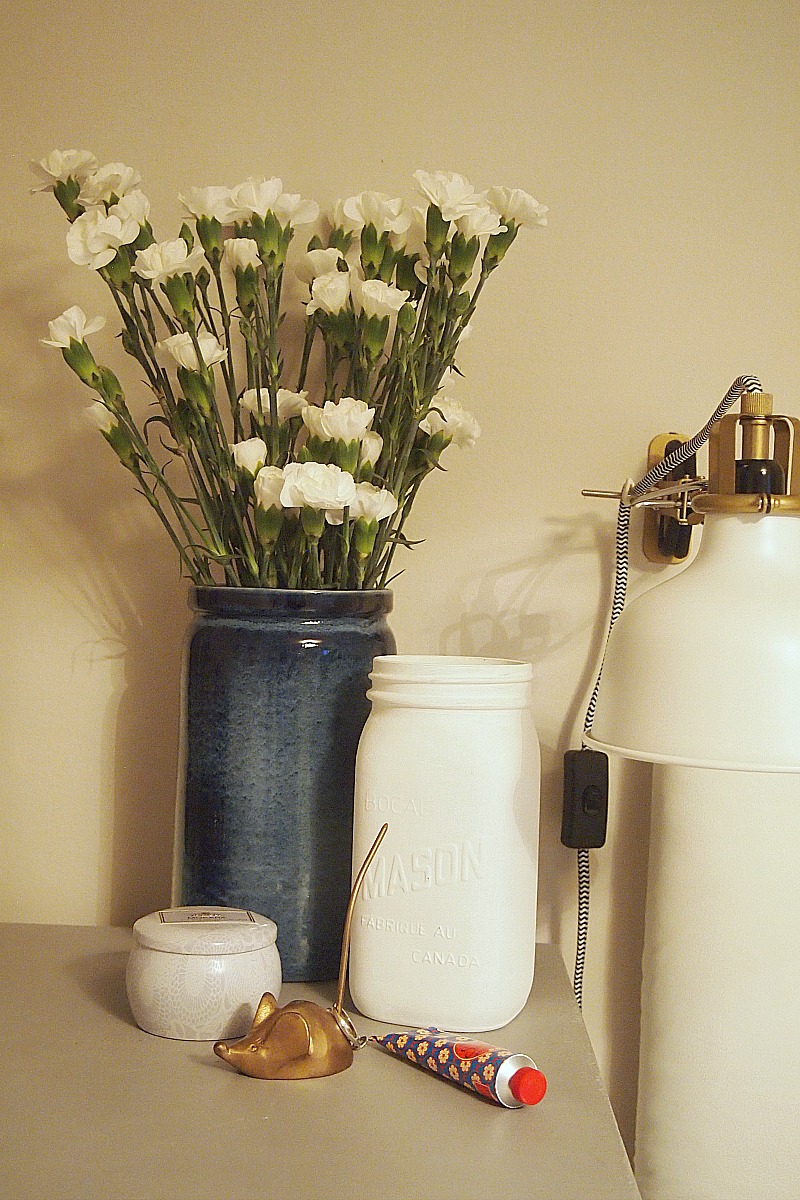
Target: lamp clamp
{"type": "Point", "coordinates": [753, 468]}
{"type": "Point", "coordinates": [669, 512]}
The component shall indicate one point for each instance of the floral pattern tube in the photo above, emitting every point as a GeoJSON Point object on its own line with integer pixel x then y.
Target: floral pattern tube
{"type": "Point", "coordinates": [501, 1076]}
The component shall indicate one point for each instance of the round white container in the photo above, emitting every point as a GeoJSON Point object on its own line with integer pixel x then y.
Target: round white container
{"type": "Point", "coordinates": [445, 930]}
{"type": "Point", "coordinates": [197, 974]}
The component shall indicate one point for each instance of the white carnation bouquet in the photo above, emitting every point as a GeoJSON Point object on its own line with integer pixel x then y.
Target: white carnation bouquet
{"type": "Point", "coordinates": [265, 474]}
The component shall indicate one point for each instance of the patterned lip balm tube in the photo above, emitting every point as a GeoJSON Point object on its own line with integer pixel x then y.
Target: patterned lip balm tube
{"type": "Point", "coordinates": [511, 1080]}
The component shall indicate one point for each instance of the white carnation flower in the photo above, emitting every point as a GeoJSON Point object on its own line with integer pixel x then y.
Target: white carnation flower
{"type": "Point", "coordinates": [98, 416]}
{"type": "Point", "coordinates": [240, 253]}
{"type": "Point", "coordinates": [376, 298]}
{"type": "Point", "coordinates": [162, 260]}
{"type": "Point", "coordinates": [294, 210]}
{"type": "Point", "coordinates": [290, 404]}
{"type": "Point", "coordinates": [60, 165]}
{"type": "Point", "coordinates": [114, 179]}
{"type": "Point", "coordinates": [329, 292]}
{"type": "Point", "coordinates": [267, 487]}
{"type": "Point", "coordinates": [73, 323]}
{"type": "Point", "coordinates": [371, 446]}
{"type": "Point", "coordinates": [451, 193]}
{"type": "Point", "coordinates": [181, 347]}
{"type": "Point", "coordinates": [132, 206]}
{"type": "Point", "coordinates": [346, 420]}
{"type": "Point", "coordinates": [413, 240]}
{"type": "Point", "coordinates": [207, 202]}
{"type": "Point", "coordinates": [94, 237]}
{"type": "Point", "coordinates": [372, 503]}
{"type": "Point", "coordinates": [374, 208]}
{"type": "Point", "coordinates": [250, 455]}
{"type": "Point", "coordinates": [515, 205]}
{"type": "Point", "coordinates": [254, 197]}
{"type": "Point", "coordinates": [316, 263]}
{"type": "Point", "coordinates": [317, 485]}
{"type": "Point", "coordinates": [478, 221]}
{"type": "Point", "coordinates": [450, 418]}
{"type": "Point", "coordinates": [336, 217]}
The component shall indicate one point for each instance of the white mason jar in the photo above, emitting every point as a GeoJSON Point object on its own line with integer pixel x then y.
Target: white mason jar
{"type": "Point", "coordinates": [445, 929]}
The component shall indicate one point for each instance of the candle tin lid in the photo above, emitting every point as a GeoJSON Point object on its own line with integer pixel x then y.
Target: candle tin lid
{"type": "Point", "coordinates": [205, 929]}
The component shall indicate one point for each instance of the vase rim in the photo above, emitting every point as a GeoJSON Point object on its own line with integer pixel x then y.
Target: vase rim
{"type": "Point", "coordinates": [316, 600]}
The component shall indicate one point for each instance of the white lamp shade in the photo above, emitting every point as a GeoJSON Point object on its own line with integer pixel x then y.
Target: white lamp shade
{"type": "Point", "coordinates": [704, 669]}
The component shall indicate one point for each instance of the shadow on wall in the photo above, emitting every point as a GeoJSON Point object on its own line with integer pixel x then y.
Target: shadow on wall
{"type": "Point", "coordinates": [92, 543]}
{"type": "Point", "coordinates": [530, 609]}
{"type": "Point", "coordinates": [523, 610]}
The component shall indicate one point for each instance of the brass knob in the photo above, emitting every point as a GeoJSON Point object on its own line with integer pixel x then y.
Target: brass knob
{"type": "Point", "coordinates": [756, 404]}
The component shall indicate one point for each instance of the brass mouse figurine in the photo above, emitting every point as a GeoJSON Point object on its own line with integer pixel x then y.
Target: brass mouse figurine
{"type": "Point", "coordinates": [301, 1040]}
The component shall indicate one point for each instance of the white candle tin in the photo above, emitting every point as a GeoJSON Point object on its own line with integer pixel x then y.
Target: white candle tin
{"type": "Point", "coordinates": [197, 974]}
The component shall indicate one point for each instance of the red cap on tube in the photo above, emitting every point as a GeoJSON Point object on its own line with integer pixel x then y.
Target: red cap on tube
{"type": "Point", "coordinates": [528, 1085]}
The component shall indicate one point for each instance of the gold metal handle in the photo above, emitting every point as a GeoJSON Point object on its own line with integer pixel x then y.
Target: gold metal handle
{"type": "Point", "coordinates": [337, 1008]}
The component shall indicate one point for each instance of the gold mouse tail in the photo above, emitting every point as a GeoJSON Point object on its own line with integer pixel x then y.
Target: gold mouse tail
{"type": "Point", "coordinates": [337, 1009]}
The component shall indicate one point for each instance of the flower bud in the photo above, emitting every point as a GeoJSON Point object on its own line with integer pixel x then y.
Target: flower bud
{"type": "Point", "coordinates": [345, 454]}
{"type": "Point", "coordinates": [185, 423]}
{"type": "Point", "coordinates": [390, 256]}
{"type": "Point", "coordinates": [66, 192]}
{"type": "Point", "coordinates": [145, 237]}
{"type": "Point", "coordinates": [374, 335]}
{"type": "Point", "coordinates": [120, 441]}
{"type": "Point", "coordinates": [364, 534]}
{"type": "Point", "coordinates": [407, 320]}
{"type": "Point", "coordinates": [119, 269]}
{"type": "Point", "coordinates": [268, 524]}
{"type": "Point", "coordinates": [313, 521]}
{"type": "Point", "coordinates": [130, 341]}
{"type": "Point", "coordinates": [406, 277]}
{"type": "Point", "coordinates": [340, 239]}
{"type": "Point", "coordinates": [266, 233]}
{"type": "Point", "coordinates": [341, 327]}
{"type": "Point", "coordinates": [246, 289]}
{"type": "Point", "coordinates": [497, 246]}
{"type": "Point", "coordinates": [436, 231]}
{"type": "Point", "coordinates": [181, 299]}
{"type": "Point", "coordinates": [461, 256]}
{"type": "Point", "coordinates": [78, 356]}
{"type": "Point", "coordinates": [437, 442]}
{"type": "Point", "coordinates": [196, 390]}
{"type": "Point", "coordinates": [209, 231]}
{"type": "Point", "coordinates": [373, 249]}
{"type": "Point", "coordinates": [317, 449]}
{"type": "Point", "coordinates": [461, 302]}
{"type": "Point", "coordinates": [110, 386]}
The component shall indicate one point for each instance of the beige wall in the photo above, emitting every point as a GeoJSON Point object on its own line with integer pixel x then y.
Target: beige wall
{"type": "Point", "coordinates": [664, 138]}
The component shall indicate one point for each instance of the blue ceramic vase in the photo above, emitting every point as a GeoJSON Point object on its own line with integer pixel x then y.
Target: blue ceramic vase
{"type": "Point", "coordinates": [274, 703]}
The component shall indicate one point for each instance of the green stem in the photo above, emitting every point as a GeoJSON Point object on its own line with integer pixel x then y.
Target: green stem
{"type": "Point", "coordinates": [308, 342]}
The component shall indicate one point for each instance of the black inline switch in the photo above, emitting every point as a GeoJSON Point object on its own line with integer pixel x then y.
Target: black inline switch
{"type": "Point", "coordinates": [585, 813]}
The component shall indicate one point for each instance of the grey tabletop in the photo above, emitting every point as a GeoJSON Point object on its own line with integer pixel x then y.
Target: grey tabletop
{"type": "Point", "coordinates": [92, 1107]}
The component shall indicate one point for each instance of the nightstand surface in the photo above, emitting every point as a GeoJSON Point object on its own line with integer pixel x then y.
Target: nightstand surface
{"type": "Point", "coordinates": [92, 1108]}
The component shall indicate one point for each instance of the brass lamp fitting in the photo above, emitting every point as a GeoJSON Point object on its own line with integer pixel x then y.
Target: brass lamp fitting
{"type": "Point", "coordinates": [754, 444]}
{"type": "Point", "coordinates": [764, 435]}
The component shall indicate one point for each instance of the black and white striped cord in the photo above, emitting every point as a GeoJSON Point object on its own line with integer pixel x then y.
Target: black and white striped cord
{"type": "Point", "coordinates": [745, 383]}
{"type": "Point", "coordinates": [583, 923]}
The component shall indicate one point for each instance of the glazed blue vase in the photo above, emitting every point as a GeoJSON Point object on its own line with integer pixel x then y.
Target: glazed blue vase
{"type": "Point", "coordinates": [274, 703]}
